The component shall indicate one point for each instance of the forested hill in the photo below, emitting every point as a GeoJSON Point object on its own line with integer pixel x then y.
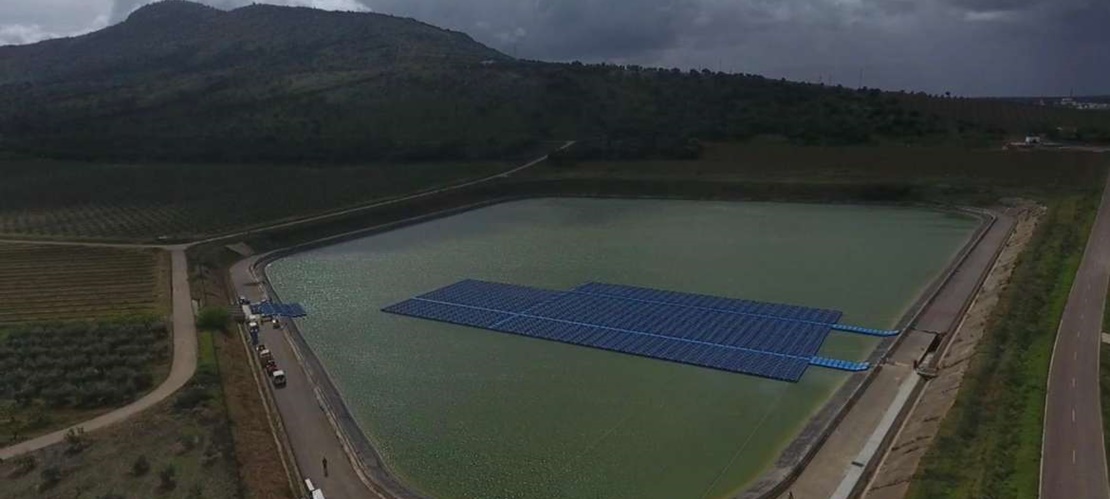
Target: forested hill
{"type": "Point", "coordinates": [182, 81]}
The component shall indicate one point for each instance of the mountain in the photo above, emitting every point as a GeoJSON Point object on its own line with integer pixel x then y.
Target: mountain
{"type": "Point", "coordinates": [190, 38]}
{"type": "Point", "coordinates": [182, 81]}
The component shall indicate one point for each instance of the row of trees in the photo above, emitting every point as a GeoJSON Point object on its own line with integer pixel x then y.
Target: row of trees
{"type": "Point", "coordinates": [471, 112]}
{"type": "Point", "coordinates": [78, 365]}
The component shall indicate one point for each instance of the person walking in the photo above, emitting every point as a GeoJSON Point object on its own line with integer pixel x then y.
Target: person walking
{"type": "Point", "coordinates": [324, 461]}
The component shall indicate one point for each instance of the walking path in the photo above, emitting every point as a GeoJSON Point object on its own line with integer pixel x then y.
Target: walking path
{"type": "Point", "coordinates": [184, 365]}
{"type": "Point", "coordinates": [1073, 459]}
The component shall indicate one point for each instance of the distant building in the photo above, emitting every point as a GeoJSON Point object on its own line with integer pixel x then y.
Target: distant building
{"type": "Point", "coordinates": [1086, 106]}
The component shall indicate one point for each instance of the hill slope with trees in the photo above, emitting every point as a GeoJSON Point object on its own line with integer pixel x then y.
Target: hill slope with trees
{"type": "Point", "coordinates": [182, 81]}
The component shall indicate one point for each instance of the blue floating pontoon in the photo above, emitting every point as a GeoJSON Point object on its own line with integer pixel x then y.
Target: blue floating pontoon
{"type": "Point", "coordinates": [279, 309]}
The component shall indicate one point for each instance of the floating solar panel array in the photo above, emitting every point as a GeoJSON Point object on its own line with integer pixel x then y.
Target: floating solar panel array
{"type": "Point", "coordinates": [279, 309]}
{"type": "Point", "coordinates": [746, 307]}
{"type": "Point", "coordinates": [763, 339]}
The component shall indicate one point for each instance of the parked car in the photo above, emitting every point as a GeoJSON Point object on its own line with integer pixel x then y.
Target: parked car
{"type": "Point", "coordinates": [278, 378]}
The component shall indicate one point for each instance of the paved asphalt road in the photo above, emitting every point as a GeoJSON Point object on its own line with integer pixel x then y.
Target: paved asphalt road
{"type": "Point", "coordinates": [1073, 460]}
{"type": "Point", "coordinates": [310, 432]}
{"type": "Point", "coordinates": [182, 369]}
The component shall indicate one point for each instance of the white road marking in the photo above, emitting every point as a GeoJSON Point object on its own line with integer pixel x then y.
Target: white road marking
{"type": "Point", "coordinates": [1075, 355]}
{"type": "Point", "coordinates": [1073, 382]}
{"type": "Point", "coordinates": [1073, 456]}
{"type": "Point", "coordinates": [1073, 415]}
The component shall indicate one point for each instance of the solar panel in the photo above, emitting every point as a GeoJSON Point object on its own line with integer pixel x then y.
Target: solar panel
{"type": "Point", "coordinates": [443, 312]}
{"type": "Point", "coordinates": [762, 339]}
{"type": "Point", "coordinates": [491, 295]}
{"type": "Point", "coordinates": [708, 325]}
{"type": "Point", "coordinates": [795, 312]}
{"type": "Point", "coordinates": [756, 363]}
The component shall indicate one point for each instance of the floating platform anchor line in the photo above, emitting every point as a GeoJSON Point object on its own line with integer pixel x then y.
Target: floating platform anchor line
{"type": "Point", "coordinates": [843, 365]}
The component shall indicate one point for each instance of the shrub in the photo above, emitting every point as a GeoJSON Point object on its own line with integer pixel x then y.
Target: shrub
{"type": "Point", "coordinates": [192, 396]}
{"type": "Point", "coordinates": [168, 477]}
{"type": "Point", "coordinates": [141, 466]}
{"type": "Point", "coordinates": [50, 475]}
{"type": "Point", "coordinates": [213, 318]}
{"type": "Point", "coordinates": [75, 440]}
{"type": "Point", "coordinates": [23, 466]}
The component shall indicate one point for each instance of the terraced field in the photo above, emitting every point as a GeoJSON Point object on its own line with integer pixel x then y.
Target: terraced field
{"type": "Point", "coordinates": [52, 283]}
{"type": "Point", "coordinates": [93, 201]}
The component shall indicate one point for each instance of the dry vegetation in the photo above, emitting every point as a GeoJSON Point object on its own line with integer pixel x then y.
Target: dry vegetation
{"type": "Point", "coordinates": [180, 449]}
{"type": "Point", "coordinates": [55, 283]}
{"type": "Point", "coordinates": [995, 172]}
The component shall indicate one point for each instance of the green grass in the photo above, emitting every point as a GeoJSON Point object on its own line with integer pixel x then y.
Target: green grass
{"type": "Point", "coordinates": [1104, 378]}
{"type": "Point", "coordinates": [1104, 389]}
{"type": "Point", "coordinates": [206, 352]}
{"type": "Point", "coordinates": [989, 443]}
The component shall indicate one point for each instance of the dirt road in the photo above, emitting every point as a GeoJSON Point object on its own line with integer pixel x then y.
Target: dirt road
{"type": "Point", "coordinates": [181, 371]}
{"type": "Point", "coordinates": [1073, 459]}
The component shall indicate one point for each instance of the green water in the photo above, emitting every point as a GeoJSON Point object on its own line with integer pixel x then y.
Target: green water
{"type": "Point", "coordinates": [467, 413]}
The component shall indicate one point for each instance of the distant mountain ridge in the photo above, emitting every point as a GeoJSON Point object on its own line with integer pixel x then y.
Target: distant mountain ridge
{"type": "Point", "coordinates": [182, 81]}
{"type": "Point", "coordinates": [193, 36]}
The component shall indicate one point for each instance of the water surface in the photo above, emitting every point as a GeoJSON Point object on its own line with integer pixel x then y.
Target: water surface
{"type": "Point", "coordinates": [468, 413]}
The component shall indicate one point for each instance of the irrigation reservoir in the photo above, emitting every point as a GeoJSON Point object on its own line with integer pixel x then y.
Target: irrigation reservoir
{"type": "Point", "coordinates": [462, 412]}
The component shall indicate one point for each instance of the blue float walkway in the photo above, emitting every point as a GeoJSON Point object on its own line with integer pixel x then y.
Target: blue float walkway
{"type": "Point", "coordinates": [843, 365]}
{"type": "Point", "coordinates": [866, 330]}
{"type": "Point", "coordinates": [279, 309]}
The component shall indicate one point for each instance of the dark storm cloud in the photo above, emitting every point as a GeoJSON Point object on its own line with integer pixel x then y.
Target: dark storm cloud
{"type": "Point", "coordinates": [970, 47]}
{"type": "Point", "coordinates": [993, 5]}
{"type": "Point", "coordinates": [553, 29]}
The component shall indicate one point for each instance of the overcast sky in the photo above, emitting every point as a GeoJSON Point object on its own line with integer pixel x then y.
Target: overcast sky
{"type": "Point", "coordinates": [968, 47]}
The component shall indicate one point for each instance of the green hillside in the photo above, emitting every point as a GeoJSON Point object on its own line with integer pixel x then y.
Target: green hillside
{"type": "Point", "coordinates": [181, 81]}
